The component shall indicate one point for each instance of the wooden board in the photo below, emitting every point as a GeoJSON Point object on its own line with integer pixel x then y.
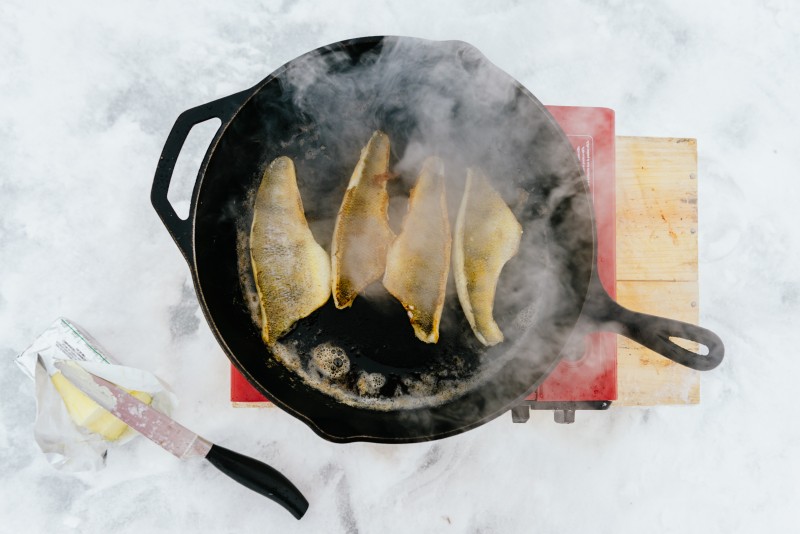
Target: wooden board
{"type": "Point", "coordinates": [656, 260]}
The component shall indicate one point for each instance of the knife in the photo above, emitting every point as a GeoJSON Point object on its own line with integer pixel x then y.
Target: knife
{"type": "Point", "coordinates": [182, 442]}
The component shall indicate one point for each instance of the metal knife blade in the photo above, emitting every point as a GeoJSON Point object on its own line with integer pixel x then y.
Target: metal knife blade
{"type": "Point", "coordinates": [138, 415]}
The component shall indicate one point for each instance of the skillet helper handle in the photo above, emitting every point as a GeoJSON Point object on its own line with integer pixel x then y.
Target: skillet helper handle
{"type": "Point", "coordinates": [260, 478]}
{"type": "Point", "coordinates": [180, 229]}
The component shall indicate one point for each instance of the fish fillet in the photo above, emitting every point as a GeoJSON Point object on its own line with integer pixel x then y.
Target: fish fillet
{"type": "Point", "coordinates": [291, 270]}
{"type": "Point", "coordinates": [419, 259]}
{"type": "Point", "coordinates": [487, 235]}
{"type": "Point", "coordinates": [362, 235]}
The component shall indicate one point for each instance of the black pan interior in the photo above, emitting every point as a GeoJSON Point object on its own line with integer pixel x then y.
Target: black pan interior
{"type": "Point", "coordinates": [440, 98]}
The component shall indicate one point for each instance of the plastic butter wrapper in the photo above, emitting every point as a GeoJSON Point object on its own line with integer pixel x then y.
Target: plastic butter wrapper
{"type": "Point", "coordinates": [73, 432]}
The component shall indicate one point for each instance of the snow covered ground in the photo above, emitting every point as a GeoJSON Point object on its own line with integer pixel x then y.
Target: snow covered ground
{"type": "Point", "coordinates": [88, 93]}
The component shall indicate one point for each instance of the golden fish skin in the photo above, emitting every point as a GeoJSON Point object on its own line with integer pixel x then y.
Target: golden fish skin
{"type": "Point", "coordinates": [362, 234]}
{"type": "Point", "coordinates": [418, 261]}
{"type": "Point", "coordinates": [487, 235]}
{"type": "Point", "coordinates": [291, 270]}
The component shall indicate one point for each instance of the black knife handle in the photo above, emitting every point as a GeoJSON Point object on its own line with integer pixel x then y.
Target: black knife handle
{"type": "Point", "coordinates": [260, 478]}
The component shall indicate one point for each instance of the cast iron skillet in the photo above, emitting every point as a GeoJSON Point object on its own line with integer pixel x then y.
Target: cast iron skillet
{"type": "Point", "coordinates": [383, 385]}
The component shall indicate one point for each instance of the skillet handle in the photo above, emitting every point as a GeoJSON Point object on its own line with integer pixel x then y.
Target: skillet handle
{"type": "Point", "coordinates": [181, 229]}
{"type": "Point", "coordinates": [655, 332]}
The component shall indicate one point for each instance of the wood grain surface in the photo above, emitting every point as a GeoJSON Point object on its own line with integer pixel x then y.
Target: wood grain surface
{"type": "Point", "coordinates": [656, 260]}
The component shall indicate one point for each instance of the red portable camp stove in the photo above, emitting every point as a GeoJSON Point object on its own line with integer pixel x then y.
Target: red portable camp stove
{"type": "Point", "coordinates": [587, 380]}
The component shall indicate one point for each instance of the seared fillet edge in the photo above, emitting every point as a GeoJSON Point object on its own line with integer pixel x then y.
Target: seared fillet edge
{"type": "Point", "coordinates": [291, 270]}
{"type": "Point", "coordinates": [361, 236]}
{"type": "Point", "coordinates": [418, 261]}
{"type": "Point", "coordinates": [487, 235]}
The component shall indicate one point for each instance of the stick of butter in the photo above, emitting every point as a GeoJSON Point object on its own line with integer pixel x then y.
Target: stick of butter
{"type": "Point", "coordinates": [70, 342]}
{"type": "Point", "coordinates": [87, 413]}
{"type": "Point", "coordinates": [71, 429]}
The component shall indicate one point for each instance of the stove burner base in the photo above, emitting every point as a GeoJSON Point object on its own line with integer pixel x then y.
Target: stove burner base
{"type": "Point", "coordinates": [563, 411]}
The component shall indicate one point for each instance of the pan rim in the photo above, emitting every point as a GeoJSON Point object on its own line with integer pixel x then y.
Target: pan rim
{"type": "Point", "coordinates": [322, 427]}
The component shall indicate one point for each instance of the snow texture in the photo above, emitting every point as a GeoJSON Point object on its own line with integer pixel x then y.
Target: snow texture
{"type": "Point", "coordinates": [89, 92]}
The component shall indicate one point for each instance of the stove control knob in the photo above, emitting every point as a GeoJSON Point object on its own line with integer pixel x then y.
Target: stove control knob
{"type": "Point", "coordinates": [520, 413]}
{"type": "Point", "coordinates": [564, 416]}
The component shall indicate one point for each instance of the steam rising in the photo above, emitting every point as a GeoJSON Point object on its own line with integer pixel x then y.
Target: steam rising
{"type": "Point", "coordinates": [443, 99]}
